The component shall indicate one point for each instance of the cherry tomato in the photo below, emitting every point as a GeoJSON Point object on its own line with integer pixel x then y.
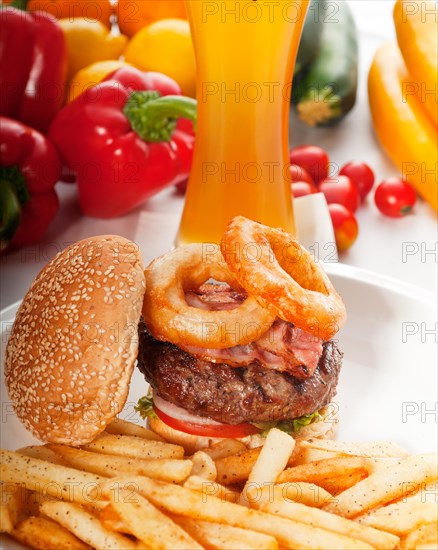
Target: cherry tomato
{"type": "Point", "coordinates": [313, 159]}
{"type": "Point", "coordinates": [302, 188]}
{"type": "Point", "coordinates": [298, 173]}
{"type": "Point", "coordinates": [209, 430]}
{"type": "Point", "coordinates": [361, 175]}
{"type": "Point", "coordinates": [395, 197]}
{"type": "Point", "coordinates": [181, 186]}
{"type": "Point", "coordinates": [345, 226]}
{"type": "Point", "coordinates": [341, 190]}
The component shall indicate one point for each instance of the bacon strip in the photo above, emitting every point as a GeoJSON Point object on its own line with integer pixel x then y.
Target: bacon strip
{"type": "Point", "coordinates": [283, 347]}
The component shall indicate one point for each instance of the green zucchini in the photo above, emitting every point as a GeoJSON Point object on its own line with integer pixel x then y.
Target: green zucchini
{"type": "Point", "coordinates": [310, 37]}
{"type": "Point", "coordinates": [328, 90]}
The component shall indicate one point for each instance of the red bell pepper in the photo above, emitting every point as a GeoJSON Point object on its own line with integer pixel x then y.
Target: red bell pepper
{"type": "Point", "coordinates": [29, 169]}
{"type": "Point", "coordinates": [123, 140]}
{"type": "Point", "coordinates": [33, 66]}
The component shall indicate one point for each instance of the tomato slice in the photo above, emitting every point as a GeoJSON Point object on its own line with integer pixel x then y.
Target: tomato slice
{"type": "Point", "coordinates": [208, 430]}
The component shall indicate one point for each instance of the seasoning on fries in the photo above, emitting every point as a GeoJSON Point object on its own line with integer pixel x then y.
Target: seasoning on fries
{"type": "Point", "coordinates": [390, 482]}
{"type": "Point", "coordinates": [43, 533]}
{"type": "Point", "coordinates": [109, 495]}
{"type": "Point", "coordinates": [166, 469]}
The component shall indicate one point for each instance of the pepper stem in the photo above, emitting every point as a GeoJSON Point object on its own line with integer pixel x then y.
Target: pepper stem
{"type": "Point", "coordinates": [10, 212]}
{"type": "Point", "coordinates": [154, 117]}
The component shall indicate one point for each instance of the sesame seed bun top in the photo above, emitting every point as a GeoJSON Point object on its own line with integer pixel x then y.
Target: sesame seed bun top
{"type": "Point", "coordinates": [73, 345]}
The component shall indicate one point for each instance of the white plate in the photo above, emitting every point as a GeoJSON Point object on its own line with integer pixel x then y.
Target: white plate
{"type": "Point", "coordinates": [387, 388]}
{"type": "Point", "coordinates": [388, 384]}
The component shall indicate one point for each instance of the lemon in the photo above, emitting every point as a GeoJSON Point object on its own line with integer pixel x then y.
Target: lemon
{"type": "Point", "coordinates": [89, 41]}
{"type": "Point", "coordinates": [91, 75]}
{"type": "Point", "coordinates": [166, 47]}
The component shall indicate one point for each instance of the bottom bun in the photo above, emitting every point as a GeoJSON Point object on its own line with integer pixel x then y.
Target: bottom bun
{"type": "Point", "coordinates": [325, 428]}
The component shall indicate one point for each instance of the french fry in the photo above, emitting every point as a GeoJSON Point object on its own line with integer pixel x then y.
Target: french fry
{"type": "Point", "coordinates": [45, 534]}
{"type": "Point", "coordinates": [271, 461]}
{"type": "Point", "coordinates": [206, 487]}
{"type": "Point", "coordinates": [376, 449]}
{"type": "Point", "coordinates": [86, 526]}
{"type": "Point", "coordinates": [111, 520]}
{"type": "Point", "coordinates": [342, 483]}
{"type": "Point", "coordinates": [236, 468]}
{"type": "Point", "coordinates": [122, 427]}
{"type": "Point", "coordinates": [224, 448]}
{"type": "Point", "coordinates": [153, 528]}
{"type": "Point", "coordinates": [330, 474]}
{"type": "Point", "coordinates": [425, 492]}
{"type": "Point", "coordinates": [290, 534]}
{"type": "Point", "coordinates": [20, 502]}
{"type": "Point", "coordinates": [12, 498]}
{"type": "Point", "coordinates": [425, 537]}
{"type": "Point", "coordinates": [47, 478]}
{"type": "Point", "coordinates": [330, 522]}
{"type": "Point", "coordinates": [134, 447]}
{"type": "Point", "coordinates": [123, 485]}
{"type": "Point", "coordinates": [95, 507]}
{"type": "Point", "coordinates": [296, 491]}
{"type": "Point", "coordinates": [31, 503]}
{"type": "Point", "coordinates": [218, 536]}
{"type": "Point", "coordinates": [43, 453]}
{"type": "Point", "coordinates": [304, 456]}
{"type": "Point", "coordinates": [386, 484]}
{"type": "Point", "coordinates": [203, 466]}
{"type": "Point", "coordinates": [402, 517]}
{"type": "Point", "coordinates": [106, 465]}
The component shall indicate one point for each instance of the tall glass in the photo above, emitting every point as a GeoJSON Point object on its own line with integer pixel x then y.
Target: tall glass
{"type": "Point", "coordinates": [245, 54]}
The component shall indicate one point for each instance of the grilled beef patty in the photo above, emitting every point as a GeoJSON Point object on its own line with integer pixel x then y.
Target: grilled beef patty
{"type": "Point", "coordinates": [235, 394]}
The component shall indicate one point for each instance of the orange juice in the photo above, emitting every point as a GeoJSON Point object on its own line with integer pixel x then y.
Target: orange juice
{"type": "Point", "coordinates": [245, 53]}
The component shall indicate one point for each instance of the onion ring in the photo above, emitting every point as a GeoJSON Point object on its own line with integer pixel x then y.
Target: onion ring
{"type": "Point", "coordinates": [170, 318]}
{"type": "Point", "coordinates": [273, 267]}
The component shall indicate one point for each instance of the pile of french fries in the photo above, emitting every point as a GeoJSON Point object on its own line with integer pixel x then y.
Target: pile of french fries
{"type": "Point", "coordinates": [130, 489]}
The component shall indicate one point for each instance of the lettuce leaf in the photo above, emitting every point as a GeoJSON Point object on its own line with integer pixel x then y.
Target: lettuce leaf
{"type": "Point", "coordinates": [145, 407]}
{"type": "Point", "coordinates": [289, 426]}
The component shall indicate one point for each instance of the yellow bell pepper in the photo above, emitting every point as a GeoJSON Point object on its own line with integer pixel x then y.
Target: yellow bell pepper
{"type": "Point", "coordinates": [165, 47]}
{"type": "Point", "coordinates": [89, 41]}
{"type": "Point", "coordinates": [91, 75]}
{"type": "Point", "coordinates": [404, 129]}
{"type": "Point", "coordinates": [417, 36]}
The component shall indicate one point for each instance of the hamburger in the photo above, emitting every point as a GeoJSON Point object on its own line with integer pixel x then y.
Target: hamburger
{"type": "Point", "coordinates": [73, 347]}
{"type": "Point", "coordinates": [285, 377]}
{"type": "Point", "coordinates": [215, 399]}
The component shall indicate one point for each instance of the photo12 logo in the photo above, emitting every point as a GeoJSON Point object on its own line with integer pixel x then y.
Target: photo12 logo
{"type": "Point", "coordinates": [251, 12]}
{"type": "Point", "coordinates": [420, 90]}
{"type": "Point", "coordinates": [421, 331]}
{"type": "Point", "coordinates": [421, 251]}
{"type": "Point", "coordinates": [427, 11]}
{"type": "Point", "coordinates": [425, 412]}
